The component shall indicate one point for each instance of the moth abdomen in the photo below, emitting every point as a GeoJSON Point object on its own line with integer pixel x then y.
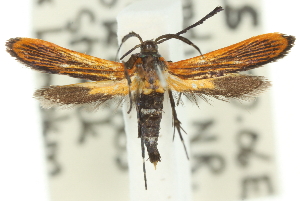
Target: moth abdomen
{"type": "Point", "coordinates": [150, 114]}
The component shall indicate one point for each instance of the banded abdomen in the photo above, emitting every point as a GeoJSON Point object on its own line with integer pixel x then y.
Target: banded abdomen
{"type": "Point", "coordinates": [149, 117]}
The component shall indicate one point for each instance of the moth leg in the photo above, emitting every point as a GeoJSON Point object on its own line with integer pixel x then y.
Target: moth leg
{"type": "Point", "coordinates": [176, 122]}
{"type": "Point", "coordinates": [179, 97]}
{"type": "Point", "coordinates": [144, 166]}
{"type": "Point", "coordinates": [129, 90]}
{"type": "Point", "coordinates": [129, 65]}
{"type": "Point", "coordinates": [142, 138]}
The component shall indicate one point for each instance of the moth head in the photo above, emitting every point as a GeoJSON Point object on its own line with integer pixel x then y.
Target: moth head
{"type": "Point", "coordinates": [149, 46]}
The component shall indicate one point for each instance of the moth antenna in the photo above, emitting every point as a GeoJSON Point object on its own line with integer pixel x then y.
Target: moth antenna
{"type": "Point", "coordinates": [131, 50]}
{"type": "Point", "coordinates": [166, 37]}
{"type": "Point", "coordinates": [212, 13]}
{"type": "Point", "coordinates": [126, 37]}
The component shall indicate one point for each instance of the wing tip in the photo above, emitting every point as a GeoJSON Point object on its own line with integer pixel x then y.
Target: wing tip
{"type": "Point", "coordinates": [9, 46]}
{"type": "Point", "coordinates": [45, 101]}
{"type": "Point", "coordinates": [16, 51]}
{"type": "Point", "coordinates": [16, 47]}
{"type": "Point", "coordinates": [290, 43]}
{"type": "Point", "coordinates": [279, 38]}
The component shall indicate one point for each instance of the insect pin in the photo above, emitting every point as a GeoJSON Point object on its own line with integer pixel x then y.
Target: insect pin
{"type": "Point", "coordinates": [147, 76]}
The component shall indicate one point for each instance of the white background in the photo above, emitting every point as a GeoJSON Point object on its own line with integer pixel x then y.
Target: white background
{"type": "Point", "coordinates": [22, 171]}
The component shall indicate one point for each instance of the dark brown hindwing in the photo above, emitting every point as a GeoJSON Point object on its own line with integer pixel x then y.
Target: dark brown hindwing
{"type": "Point", "coordinates": [237, 86]}
{"type": "Point", "coordinates": [68, 96]}
{"type": "Point", "coordinates": [150, 114]}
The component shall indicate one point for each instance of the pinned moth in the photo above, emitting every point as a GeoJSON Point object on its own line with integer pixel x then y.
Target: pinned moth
{"type": "Point", "coordinates": [147, 76]}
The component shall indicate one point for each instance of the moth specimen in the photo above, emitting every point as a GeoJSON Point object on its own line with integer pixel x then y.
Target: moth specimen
{"type": "Point", "coordinates": [147, 76]}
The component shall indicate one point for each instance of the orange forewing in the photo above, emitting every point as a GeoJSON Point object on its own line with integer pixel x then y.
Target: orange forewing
{"type": "Point", "coordinates": [50, 58]}
{"type": "Point", "coordinates": [245, 55]}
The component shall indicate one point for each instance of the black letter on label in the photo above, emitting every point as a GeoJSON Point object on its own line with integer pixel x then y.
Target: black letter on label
{"type": "Point", "coordinates": [50, 126]}
{"type": "Point", "coordinates": [108, 3]}
{"type": "Point", "coordinates": [246, 141]}
{"type": "Point", "coordinates": [214, 162]}
{"type": "Point", "coordinates": [111, 28]}
{"type": "Point", "coordinates": [234, 16]}
{"type": "Point", "coordinates": [252, 186]}
{"type": "Point", "coordinates": [54, 165]}
{"type": "Point", "coordinates": [120, 142]}
{"type": "Point", "coordinates": [202, 135]}
{"type": "Point", "coordinates": [40, 2]}
{"type": "Point", "coordinates": [88, 42]}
